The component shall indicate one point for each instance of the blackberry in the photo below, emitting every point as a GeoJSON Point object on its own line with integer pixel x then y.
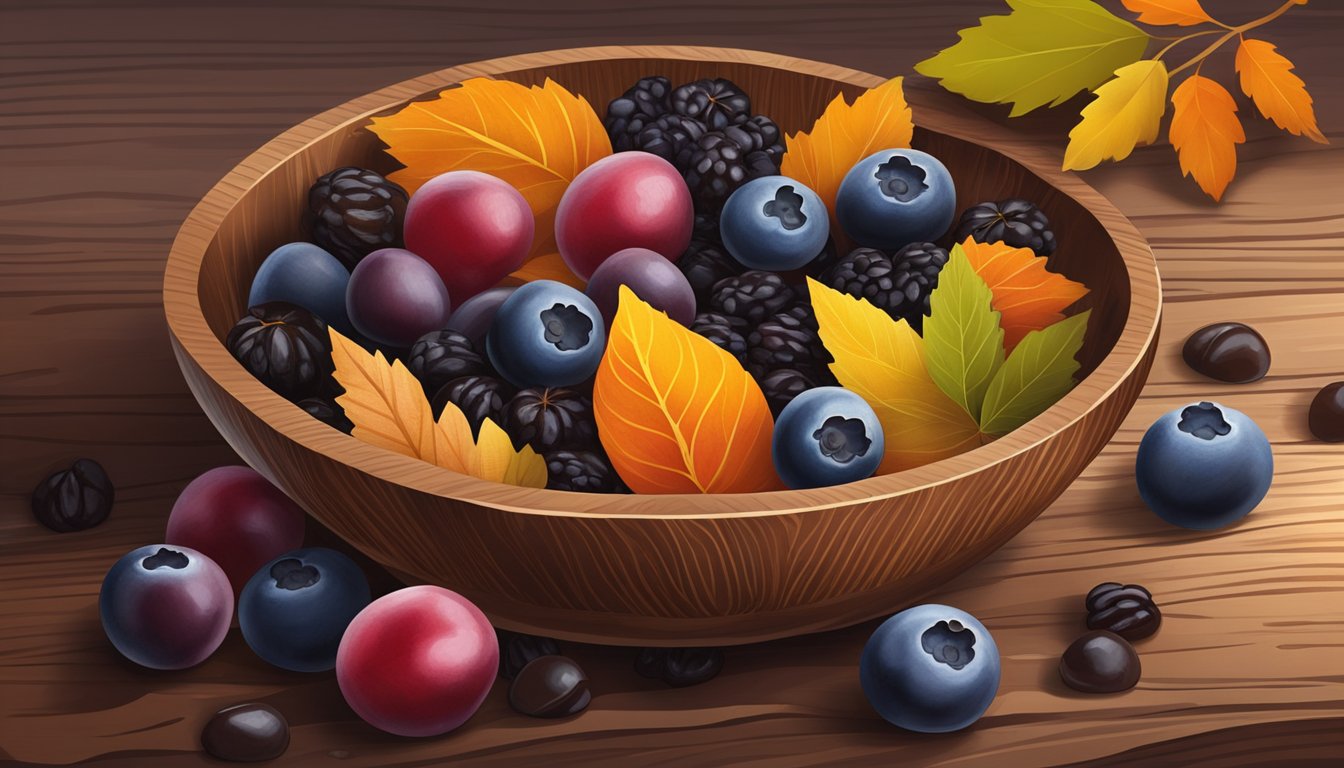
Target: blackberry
{"type": "Point", "coordinates": [717, 103]}
{"type": "Point", "coordinates": [1014, 221]}
{"type": "Point", "coordinates": [671, 137]}
{"type": "Point", "coordinates": [915, 275]}
{"type": "Point", "coordinates": [327, 412]}
{"type": "Point", "coordinates": [479, 398]}
{"type": "Point", "coordinates": [706, 229]}
{"type": "Point", "coordinates": [719, 164]}
{"type": "Point", "coordinates": [355, 212]}
{"type": "Point", "coordinates": [866, 274]}
{"type": "Point", "coordinates": [782, 385]}
{"type": "Point", "coordinates": [704, 265]}
{"type": "Point", "coordinates": [759, 134]}
{"type": "Point", "coordinates": [818, 266]}
{"type": "Point", "coordinates": [284, 346]}
{"type": "Point", "coordinates": [584, 471]}
{"type": "Point", "coordinates": [751, 296]}
{"type": "Point", "coordinates": [517, 649]}
{"type": "Point", "coordinates": [726, 332]}
{"type": "Point", "coordinates": [784, 341]}
{"type": "Point", "coordinates": [438, 357]}
{"type": "Point", "coordinates": [639, 106]}
{"type": "Point", "coordinates": [549, 419]}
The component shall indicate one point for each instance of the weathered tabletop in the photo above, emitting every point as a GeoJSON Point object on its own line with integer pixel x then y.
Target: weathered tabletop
{"type": "Point", "coordinates": [116, 117]}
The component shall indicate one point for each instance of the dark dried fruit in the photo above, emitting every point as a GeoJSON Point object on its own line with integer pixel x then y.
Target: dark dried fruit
{"type": "Point", "coordinates": [74, 499]}
{"type": "Point", "coordinates": [671, 137]}
{"type": "Point", "coordinates": [785, 341]}
{"type": "Point", "coordinates": [752, 296]}
{"type": "Point", "coordinates": [550, 686]}
{"type": "Point", "coordinates": [717, 103]}
{"type": "Point", "coordinates": [355, 212]}
{"type": "Point", "coordinates": [679, 667]}
{"type": "Point", "coordinates": [479, 398]}
{"type": "Point", "coordinates": [639, 106]}
{"type": "Point", "coordinates": [1326, 416]}
{"type": "Point", "coordinates": [246, 733]}
{"type": "Point", "coordinates": [1231, 352]}
{"type": "Point", "coordinates": [782, 385]}
{"type": "Point", "coordinates": [582, 472]}
{"type": "Point", "coordinates": [328, 413]}
{"type": "Point", "coordinates": [724, 330]}
{"type": "Point", "coordinates": [285, 347]}
{"type": "Point", "coordinates": [517, 650]}
{"type": "Point", "coordinates": [704, 264]}
{"type": "Point", "coordinates": [1015, 221]}
{"type": "Point", "coordinates": [1127, 610]}
{"type": "Point", "coordinates": [439, 357]}
{"type": "Point", "coordinates": [1100, 662]}
{"type": "Point", "coordinates": [550, 419]}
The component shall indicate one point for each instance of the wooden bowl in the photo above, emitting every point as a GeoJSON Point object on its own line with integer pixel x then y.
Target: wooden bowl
{"type": "Point", "coordinates": [664, 570]}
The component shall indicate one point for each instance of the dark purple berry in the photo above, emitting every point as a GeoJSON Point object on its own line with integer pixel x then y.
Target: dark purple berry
{"type": "Point", "coordinates": [355, 212]}
{"type": "Point", "coordinates": [727, 332]}
{"type": "Point", "coordinates": [752, 296]}
{"type": "Point", "coordinates": [327, 412]}
{"type": "Point", "coordinates": [74, 499]}
{"type": "Point", "coordinates": [1015, 221]}
{"type": "Point", "coordinates": [581, 471]}
{"type": "Point", "coordinates": [478, 397]}
{"type": "Point", "coordinates": [285, 347]}
{"type": "Point", "coordinates": [439, 357]}
{"type": "Point", "coordinates": [550, 419]}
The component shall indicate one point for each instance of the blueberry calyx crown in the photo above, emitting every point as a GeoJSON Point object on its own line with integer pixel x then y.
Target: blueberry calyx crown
{"type": "Point", "coordinates": [165, 558]}
{"type": "Point", "coordinates": [842, 440]}
{"type": "Point", "coordinates": [787, 207]}
{"type": "Point", "coordinates": [1204, 420]}
{"type": "Point", "coordinates": [567, 327]}
{"type": "Point", "coordinates": [950, 643]}
{"type": "Point", "coordinates": [900, 179]}
{"type": "Point", "coordinates": [292, 574]}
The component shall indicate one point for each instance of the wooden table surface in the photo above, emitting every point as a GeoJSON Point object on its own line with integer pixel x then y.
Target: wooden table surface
{"type": "Point", "coordinates": [115, 117]}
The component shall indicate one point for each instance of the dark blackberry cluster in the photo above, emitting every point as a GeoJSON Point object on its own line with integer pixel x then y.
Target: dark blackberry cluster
{"type": "Point", "coordinates": [355, 212]}
{"type": "Point", "coordinates": [780, 386]}
{"type": "Point", "coordinates": [752, 296]}
{"type": "Point", "coordinates": [704, 264]}
{"type": "Point", "coordinates": [899, 284]}
{"type": "Point", "coordinates": [785, 341]}
{"type": "Point", "coordinates": [1014, 221]}
{"type": "Point", "coordinates": [479, 397]}
{"type": "Point", "coordinates": [628, 116]}
{"type": "Point", "coordinates": [583, 471]}
{"type": "Point", "coordinates": [327, 412]}
{"type": "Point", "coordinates": [551, 419]}
{"type": "Point", "coordinates": [284, 346]}
{"type": "Point", "coordinates": [725, 331]}
{"type": "Point", "coordinates": [439, 357]}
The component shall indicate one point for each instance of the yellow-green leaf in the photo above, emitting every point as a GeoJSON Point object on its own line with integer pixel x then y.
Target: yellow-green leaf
{"type": "Point", "coordinates": [1127, 112]}
{"type": "Point", "coordinates": [882, 361]}
{"type": "Point", "coordinates": [1043, 52]}
{"type": "Point", "coordinates": [1035, 376]}
{"type": "Point", "coordinates": [963, 340]}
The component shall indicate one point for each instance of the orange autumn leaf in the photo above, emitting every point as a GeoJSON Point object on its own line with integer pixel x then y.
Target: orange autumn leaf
{"type": "Point", "coordinates": [537, 139]}
{"type": "Point", "coordinates": [548, 266]}
{"type": "Point", "coordinates": [1281, 96]}
{"type": "Point", "coordinates": [677, 414]}
{"type": "Point", "coordinates": [1182, 13]}
{"type": "Point", "coordinates": [1205, 132]}
{"type": "Point", "coordinates": [845, 134]}
{"type": "Point", "coordinates": [1027, 295]}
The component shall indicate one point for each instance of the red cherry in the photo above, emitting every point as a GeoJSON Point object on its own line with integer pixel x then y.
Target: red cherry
{"type": "Point", "coordinates": [626, 200]}
{"type": "Point", "coordinates": [417, 662]}
{"type": "Point", "coordinates": [473, 228]}
{"type": "Point", "coordinates": [235, 517]}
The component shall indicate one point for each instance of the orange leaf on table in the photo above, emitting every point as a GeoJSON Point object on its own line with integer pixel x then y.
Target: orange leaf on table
{"type": "Point", "coordinates": [388, 408]}
{"type": "Point", "coordinates": [1027, 295]}
{"type": "Point", "coordinates": [1281, 96]}
{"type": "Point", "coordinates": [1182, 13]}
{"type": "Point", "coordinates": [537, 139]}
{"type": "Point", "coordinates": [1205, 132]}
{"type": "Point", "coordinates": [845, 134]}
{"type": "Point", "coordinates": [675, 413]}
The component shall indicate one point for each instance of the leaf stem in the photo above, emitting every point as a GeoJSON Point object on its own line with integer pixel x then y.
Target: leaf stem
{"type": "Point", "coordinates": [1177, 41]}
{"type": "Point", "coordinates": [1231, 33]}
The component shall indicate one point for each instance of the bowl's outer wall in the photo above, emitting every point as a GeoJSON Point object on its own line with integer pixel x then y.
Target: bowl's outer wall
{"type": "Point", "coordinates": [657, 570]}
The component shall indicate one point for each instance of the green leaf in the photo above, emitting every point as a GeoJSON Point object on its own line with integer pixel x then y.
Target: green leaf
{"type": "Point", "coordinates": [1044, 51]}
{"type": "Point", "coordinates": [1037, 374]}
{"type": "Point", "coordinates": [963, 339]}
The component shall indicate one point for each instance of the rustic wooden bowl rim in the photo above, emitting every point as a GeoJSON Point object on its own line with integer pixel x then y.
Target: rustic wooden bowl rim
{"type": "Point", "coordinates": [187, 321]}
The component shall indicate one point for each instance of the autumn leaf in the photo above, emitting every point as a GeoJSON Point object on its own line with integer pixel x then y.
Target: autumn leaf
{"type": "Point", "coordinates": [845, 134]}
{"type": "Point", "coordinates": [677, 414]}
{"type": "Point", "coordinates": [1035, 376]}
{"type": "Point", "coordinates": [1182, 13]}
{"type": "Point", "coordinates": [963, 343]}
{"type": "Point", "coordinates": [1127, 112]}
{"type": "Point", "coordinates": [1043, 52]}
{"type": "Point", "coordinates": [1027, 296]}
{"type": "Point", "coordinates": [548, 266]}
{"type": "Point", "coordinates": [537, 139]}
{"type": "Point", "coordinates": [388, 408]}
{"type": "Point", "coordinates": [1205, 132]}
{"type": "Point", "coordinates": [883, 361]}
{"type": "Point", "coordinates": [1281, 96]}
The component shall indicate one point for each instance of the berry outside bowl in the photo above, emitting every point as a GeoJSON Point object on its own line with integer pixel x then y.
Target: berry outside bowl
{"type": "Point", "coordinates": [665, 570]}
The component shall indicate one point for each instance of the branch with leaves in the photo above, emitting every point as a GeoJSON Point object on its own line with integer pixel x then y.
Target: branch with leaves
{"type": "Point", "coordinates": [1046, 51]}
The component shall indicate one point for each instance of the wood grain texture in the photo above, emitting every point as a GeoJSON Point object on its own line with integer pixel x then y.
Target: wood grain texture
{"type": "Point", "coordinates": [118, 116]}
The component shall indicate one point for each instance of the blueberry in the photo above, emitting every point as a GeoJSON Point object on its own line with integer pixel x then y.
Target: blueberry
{"type": "Point", "coordinates": [774, 223]}
{"type": "Point", "coordinates": [826, 436]}
{"type": "Point", "coordinates": [305, 275]}
{"type": "Point", "coordinates": [294, 610]}
{"type": "Point", "coordinates": [166, 607]}
{"type": "Point", "coordinates": [896, 197]}
{"type": "Point", "coordinates": [931, 668]}
{"type": "Point", "coordinates": [1204, 466]}
{"type": "Point", "coordinates": [546, 334]}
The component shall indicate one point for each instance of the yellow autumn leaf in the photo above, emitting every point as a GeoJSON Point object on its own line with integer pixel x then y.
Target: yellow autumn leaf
{"type": "Point", "coordinates": [1127, 112]}
{"type": "Point", "coordinates": [1205, 132]}
{"type": "Point", "coordinates": [1182, 13]}
{"type": "Point", "coordinates": [845, 134]}
{"type": "Point", "coordinates": [1281, 96]}
{"type": "Point", "coordinates": [676, 413]}
{"type": "Point", "coordinates": [537, 139]}
{"type": "Point", "coordinates": [882, 360]}
{"type": "Point", "coordinates": [388, 408]}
